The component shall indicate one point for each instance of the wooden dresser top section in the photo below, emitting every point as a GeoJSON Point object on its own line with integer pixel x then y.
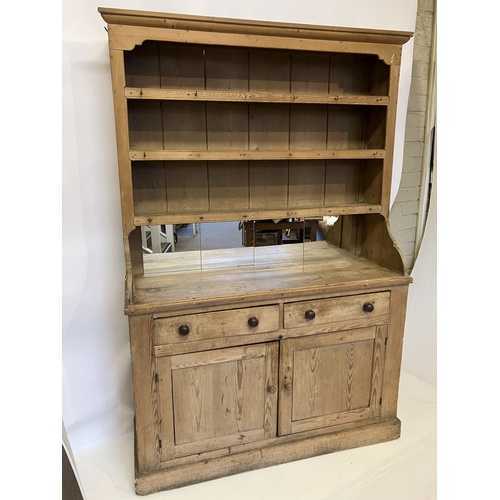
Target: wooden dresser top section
{"type": "Point", "coordinates": [247, 27]}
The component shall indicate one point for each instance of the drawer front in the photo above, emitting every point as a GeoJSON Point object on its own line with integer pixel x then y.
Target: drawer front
{"type": "Point", "coordinates": [205, 326]}
{"type": "Point", "coordinates": [323, 311]}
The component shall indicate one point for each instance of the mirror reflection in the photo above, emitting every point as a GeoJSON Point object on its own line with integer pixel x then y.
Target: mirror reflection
{"type": "Point", "coordinates": [238, 243]}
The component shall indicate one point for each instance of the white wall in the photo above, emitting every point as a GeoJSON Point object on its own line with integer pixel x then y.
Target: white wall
{"type": "Point", "coordinates": [420, 342]}
{"type": "Point", "coordinates": [97, 386]}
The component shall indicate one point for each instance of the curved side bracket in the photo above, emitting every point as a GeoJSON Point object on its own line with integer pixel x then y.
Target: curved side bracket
{"type": "Point", "coordinates": [376, 243]}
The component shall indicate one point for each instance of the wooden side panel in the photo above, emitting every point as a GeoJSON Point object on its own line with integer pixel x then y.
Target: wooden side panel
{"type": "Point", "coordinates": [377, 244]}
{"type": "Point", "coordinates": [150, 193]}
{"type": "Point", "coordinates": [374, 128]}
{"type": "Point", "coordinates": [269, 71]}
{"type": "Point", "coordinates": [395, 70]}
{"type": "Point", "coordinates": [268, 184]}
{"type": "Point", "coordinates": [187, 186]}
{"type": "Point", "coordinates": [342, 181]}
{"type": "Point", "coordinates": [309, 73]}
{"type": "Point", "coordinates": [182, 66]}
{"type": "Point", "coordinates": [227, 126]}
{"type": "Point", "coordinates": [268, 127]}
{"type": "Point", "coordinates": [184, 125]}
{"type": "Point", "coordinates": [307, 183]}
{"type": "Point", "coordinates": [147, 419]}
{"type": "Point", "coordinates": [394, 350]}
{"type": "Point", "coordinates": [308, 127]}
{"type": "Point", "coordinates": [228, 183]}
{"type": "Point", "coordinates": [145, 124]}
{"type": "Point", "coordinates": [142, 66]}
{"type": "Point", "coordinates": [378, 78]}
{"type": "Point", "coordinates": [226, 68]}
{"type": "Point", "coordinates": [370, 185]}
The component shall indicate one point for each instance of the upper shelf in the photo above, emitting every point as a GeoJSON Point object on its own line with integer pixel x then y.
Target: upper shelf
{"type": "Point", "coordinates": [240, 96]}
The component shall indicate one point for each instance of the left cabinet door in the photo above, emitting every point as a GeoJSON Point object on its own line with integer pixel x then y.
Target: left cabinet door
{"type": "Point", "coordinates": [215, 399]}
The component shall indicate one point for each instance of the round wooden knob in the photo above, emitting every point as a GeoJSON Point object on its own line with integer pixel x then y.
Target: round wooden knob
{"type": "Point", "coordinates": [368, 307]}
{"type": "Point", "coordinates": [310, 314]}
{"type": "Point", "coordinates": [253, 321]}
{"type": "Point", "coordinates": [184, 329]}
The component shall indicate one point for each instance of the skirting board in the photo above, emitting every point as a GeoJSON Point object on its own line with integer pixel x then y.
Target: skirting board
{"type": "Point", "coordinates": [184, 475]}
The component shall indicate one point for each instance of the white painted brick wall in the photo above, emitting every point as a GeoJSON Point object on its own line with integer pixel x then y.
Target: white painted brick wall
{"type": "Point", "coordinates": [403, 216]}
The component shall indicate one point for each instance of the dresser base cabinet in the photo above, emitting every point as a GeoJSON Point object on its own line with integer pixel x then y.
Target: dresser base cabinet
{"type": "Point", "coordinates": [208, 406]}
{"type": "Point", "coordinates": [246, 357]}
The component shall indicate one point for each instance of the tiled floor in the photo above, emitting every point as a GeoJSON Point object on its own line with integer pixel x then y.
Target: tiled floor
{"type": "Point", "coordinates": [404, 469]}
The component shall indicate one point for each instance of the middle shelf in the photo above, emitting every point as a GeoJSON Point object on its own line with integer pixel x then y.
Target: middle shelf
{"type": "Point", "coordinates": [182, 191]}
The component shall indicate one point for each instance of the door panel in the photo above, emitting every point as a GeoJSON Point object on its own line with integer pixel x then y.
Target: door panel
{"type": "Point", "coordinates": [214, 399]}
{"type": "Point", "coordinates": [331, 379]}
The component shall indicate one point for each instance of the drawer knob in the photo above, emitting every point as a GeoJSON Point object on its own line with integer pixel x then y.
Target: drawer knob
{"type": "Point", "coordinates": [184, 329]}
{"type": "Point", "coordinates": [368, 307]}
{"type": "Point", "coordinates": [310, 314]}
{"type": "Point", "coordinates": [253, 321]}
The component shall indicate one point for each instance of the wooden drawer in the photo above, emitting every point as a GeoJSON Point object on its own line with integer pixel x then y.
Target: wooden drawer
{"type": "Point", "coordinates": [322, 311]}
{"type": "Point", "coordinates": [205, 326]}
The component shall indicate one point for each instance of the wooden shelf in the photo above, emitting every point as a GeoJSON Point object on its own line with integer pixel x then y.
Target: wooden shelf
{"type": "Point", "coordinates": [316, 265]}
{"type": "Point", "coordinates": [165, 154]}
{"type": "Point", "coordinates": [269, 97]}
{"type": "Point", "coordinates": [155, 219]}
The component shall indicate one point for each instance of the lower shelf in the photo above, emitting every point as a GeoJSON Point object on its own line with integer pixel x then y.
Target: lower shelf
{"type": "Point", "coordinates": [204, 470]}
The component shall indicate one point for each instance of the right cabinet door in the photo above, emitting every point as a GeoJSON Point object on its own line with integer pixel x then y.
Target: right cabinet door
{"type": "Point", "coordinates": [331, 379]}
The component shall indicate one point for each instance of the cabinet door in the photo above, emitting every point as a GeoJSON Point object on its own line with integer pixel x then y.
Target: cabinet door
{"type": "Point", "coordinates": [331, 379]}
{"type": "Point", "coordinates": [216, 399]}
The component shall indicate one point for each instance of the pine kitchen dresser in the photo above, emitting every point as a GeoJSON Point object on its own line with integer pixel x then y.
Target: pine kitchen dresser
{"type": "Point", "coordinates": [249, 357]}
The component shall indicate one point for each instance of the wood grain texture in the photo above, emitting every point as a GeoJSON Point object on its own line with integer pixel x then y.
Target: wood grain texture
{"type": "Point", "coordinates": [186, 186]}
{"type": "Point", "coordinates": [268, 184]}
{"type": "Point", "coordinates": [150, 193]}
{"type": "Point", "coordinates": [225, 154]}
{"type": "Point", "coordinates": [267, 456]}
{"type": "Point", "coordinates": [394, 350]}
{"type": "Point", "coordinates": [216, 324]}
{"type": "Point", "coordinates": [220, 398]}
{"type": "Point", "coordinates": [193, 94]}
{"type": "Point", "coordinates": [181, 67]}
{"type": "Point", "coordinates": [220, 120]}
{"type": "Point", "coordinates": [227, 126]}
{"type": "Point", "coordinates": [269, 71]}
{"type": "Point", "coordinates": [249, 27]}
{"type": "Point", "coordinates": [377, 243]}
{"type": "Point", "coordinates": [147, 417]}
{"type": "Point", "coordinates": [389, 141]}
{"type": "Point", "coordinates": [333, 271]}
{"type": "Point", "coordinates": [226, 69]}
{"type": "Point", "coordinates": [337, 309]}
{"type": "Point", "coordinates": [228, 185]}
